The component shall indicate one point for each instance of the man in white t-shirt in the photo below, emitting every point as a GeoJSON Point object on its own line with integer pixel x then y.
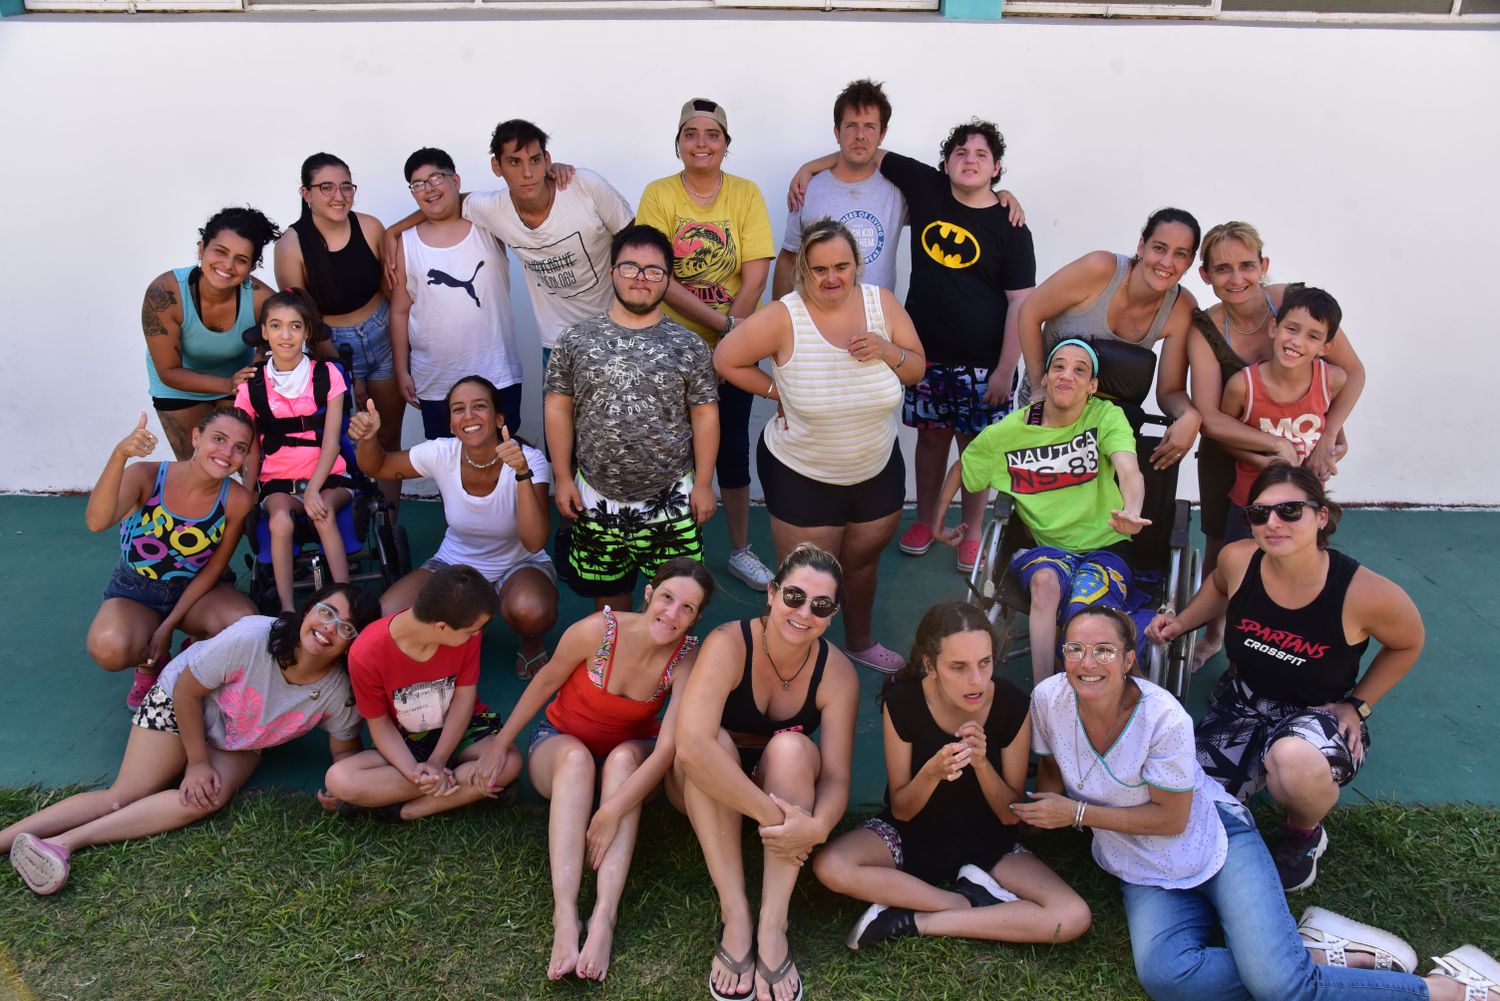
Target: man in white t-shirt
{"type": "Point", "coordinates": [854, 192]}
{"type": "Point", "coordinates": [450, 301]}
{"type": "Point", "coordinates": [560, 234]}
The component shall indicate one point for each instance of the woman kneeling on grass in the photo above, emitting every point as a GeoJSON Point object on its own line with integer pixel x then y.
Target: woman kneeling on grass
{"type": "Point", "coordinates": [612, 673]}
{"type": "Point", "coordinates": [956, 744]}
{"type": "Point", "coordinates": [259, 683]}
{"type": "Point", "coordinates": [1119, 757]}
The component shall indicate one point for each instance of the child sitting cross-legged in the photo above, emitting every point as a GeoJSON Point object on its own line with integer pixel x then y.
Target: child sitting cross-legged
{"type": "Point", "coordinates": [415, 676]}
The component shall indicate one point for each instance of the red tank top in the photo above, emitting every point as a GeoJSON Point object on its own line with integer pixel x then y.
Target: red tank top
{"type": "Point", "coordinates": [1300, 422]}
{"type": "Point", "coordinates": [586, 709]}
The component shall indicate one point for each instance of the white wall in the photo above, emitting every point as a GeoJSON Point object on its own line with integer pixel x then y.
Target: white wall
{"type": "Point", "coordinates": [1366, 157]}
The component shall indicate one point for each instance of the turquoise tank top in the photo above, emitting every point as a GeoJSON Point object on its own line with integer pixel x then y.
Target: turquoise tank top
{"type": "Point", "coordinates": [211, 352]}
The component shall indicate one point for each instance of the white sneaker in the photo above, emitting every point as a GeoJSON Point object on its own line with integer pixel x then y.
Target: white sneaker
{"type": "Point", "coordinates": [1336, 936]}
{"type": "Point", "coordinates": [747, 567]}
{"type": "Point", "coordinates": [1476, 970]}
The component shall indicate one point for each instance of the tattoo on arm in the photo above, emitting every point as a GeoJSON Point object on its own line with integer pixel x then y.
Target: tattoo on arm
{"type": "Point", "coordinates": [158, 301]}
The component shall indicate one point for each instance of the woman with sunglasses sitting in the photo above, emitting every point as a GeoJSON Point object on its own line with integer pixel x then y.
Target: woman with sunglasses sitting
{"type": "Point", "coordinates": [760, 690]}
{"type": "Point", "coordinates": [1290, 712]}
{"type": "Point", "coordinates": [260, 683]}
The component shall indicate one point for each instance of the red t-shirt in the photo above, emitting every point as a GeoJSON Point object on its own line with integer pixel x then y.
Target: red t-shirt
{"type": "Point", "coordinates": [414, 693]}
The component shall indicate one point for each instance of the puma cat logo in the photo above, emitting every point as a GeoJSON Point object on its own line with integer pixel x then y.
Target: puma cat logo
{"type": "Point", "coordinates": [436, 277]}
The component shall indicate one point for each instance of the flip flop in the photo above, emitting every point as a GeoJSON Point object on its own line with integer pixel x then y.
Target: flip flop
{"type": "Point", "coordinates": [739, 967]}
{"type": "Point", "coordinates": [776, 976]}
{"type": "Point", "coordinates": [526, 667]}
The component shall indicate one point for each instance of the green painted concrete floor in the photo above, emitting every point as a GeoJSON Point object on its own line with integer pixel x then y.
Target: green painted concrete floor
{"type": "Point", "coordinates": [1430, 736]}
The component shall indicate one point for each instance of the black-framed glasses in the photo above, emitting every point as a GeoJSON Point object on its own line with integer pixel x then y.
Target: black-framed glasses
{"type": "Point", "coordinates": [794, 597]}
{"type": "Point", "coordinates": [435, 179]}
{"type": "Point", "coordinates": [328, 188]}
{"type": "Point", "coordinates": [329, 616]}
{"type": "Point", "coordinates": [1287, 511]}
{"type": "Point", "coordinates": [629, 270]}
{"type": "Point", "coordinates": [1104, 653]}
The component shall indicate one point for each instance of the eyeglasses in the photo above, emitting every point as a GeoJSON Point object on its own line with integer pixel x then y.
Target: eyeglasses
{"type": "Point", "coordinates": [1104, 653]}
{"type": "Point", "coordinates": [794, 597]}
{"type": "Point", "coordinates": [630, 270]}
{"type": "Point", "coordinates": [1287, 511]}
{"type": "Point", "coordinates": [327, 188]}
{"type": "Point", "coordinates": [329, 616]}
{"type": "Point", "coordinates": [434, 180]}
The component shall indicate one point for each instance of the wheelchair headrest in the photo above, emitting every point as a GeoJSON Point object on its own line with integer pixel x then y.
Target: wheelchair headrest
{"type": "Point", "coordinates": [1125, 371]}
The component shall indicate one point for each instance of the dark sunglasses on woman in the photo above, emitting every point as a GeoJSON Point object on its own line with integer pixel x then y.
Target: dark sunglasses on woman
{"type": "Point", "coordinates": [1287, 511]}
{"type": "Point", "coordinates": [794, 597]}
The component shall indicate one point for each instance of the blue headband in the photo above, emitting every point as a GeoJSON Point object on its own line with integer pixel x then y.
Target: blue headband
{"type": "Point", "coordinates": [1088, 349]}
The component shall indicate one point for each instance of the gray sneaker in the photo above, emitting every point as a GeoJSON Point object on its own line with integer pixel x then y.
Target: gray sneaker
{"type": "Point", "coordinates": [747, 567]}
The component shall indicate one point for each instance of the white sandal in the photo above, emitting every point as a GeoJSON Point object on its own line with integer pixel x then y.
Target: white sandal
{"type": "Point", "coordinates": [1472, 967]}
{"type": "Point", "coordinates": [1337, 936]}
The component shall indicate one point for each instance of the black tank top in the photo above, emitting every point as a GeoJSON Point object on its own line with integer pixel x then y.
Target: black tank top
{"type": "Point", "coordinates": [742, 715]}
{"type": "Point", "coordinates": [1294, 655]}
{"type": "Point", "coordinates": [353, 272]}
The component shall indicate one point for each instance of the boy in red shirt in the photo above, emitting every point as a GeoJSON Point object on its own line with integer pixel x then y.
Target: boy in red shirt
{"type": "Point", "coordinates": [415, 676]}
{"type": "Point", "coordinates": [1287, 396]}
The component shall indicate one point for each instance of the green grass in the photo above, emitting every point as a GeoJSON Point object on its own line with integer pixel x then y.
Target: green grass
{"type": "Point", "coordinates": [272, 899]}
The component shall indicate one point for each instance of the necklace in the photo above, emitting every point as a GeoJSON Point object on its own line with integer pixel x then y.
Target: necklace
{"type": "Point", "coordinates": [786, 683]}
{"type": "Point", "coordinates": [481, 465]}
{"type": "Point", "coordinates": [706, 198]}
{"type": "Point", "coordinates": [1110, 736]}
{"type": "Point", "coordinates": [1229, 319]}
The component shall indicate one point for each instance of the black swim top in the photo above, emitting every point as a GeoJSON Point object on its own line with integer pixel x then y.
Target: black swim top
{"type": "Point", "coordinates": [743, 715]}
{"type": "Point", "coordinates": [353, 272]}
{"type": "Point", "coordinates": [1298, 655]}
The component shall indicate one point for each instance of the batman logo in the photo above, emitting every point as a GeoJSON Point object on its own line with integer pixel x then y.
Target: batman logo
{"type": "Point", "coordinates": [950, 245]}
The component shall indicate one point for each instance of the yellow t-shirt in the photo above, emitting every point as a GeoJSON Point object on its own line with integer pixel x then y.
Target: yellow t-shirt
{"type": "Point", "coordinates": [711, 243]}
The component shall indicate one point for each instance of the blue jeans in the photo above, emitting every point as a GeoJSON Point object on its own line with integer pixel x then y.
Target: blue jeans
{"type": "Point", "coordinates": [1263, 957]}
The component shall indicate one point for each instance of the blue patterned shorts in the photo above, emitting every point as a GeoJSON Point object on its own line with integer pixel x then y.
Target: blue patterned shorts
{"type": "Point", "coordinates": [951, 396]}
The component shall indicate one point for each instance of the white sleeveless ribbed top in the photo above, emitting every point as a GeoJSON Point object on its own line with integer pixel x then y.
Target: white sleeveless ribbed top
{"type": "Point", "coordinates": [840, 415]}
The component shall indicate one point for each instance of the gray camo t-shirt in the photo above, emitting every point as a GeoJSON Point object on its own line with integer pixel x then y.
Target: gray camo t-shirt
{"type": "Point", "coordinates": [631, 393]}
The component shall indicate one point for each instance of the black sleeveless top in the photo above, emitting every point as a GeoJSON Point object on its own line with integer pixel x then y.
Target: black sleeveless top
{"type": "Point", "coordinates": [1298, 656]}
{"type": "Point", "coordinates": [742, 715]}
{"type": "Point", "coordinates": [958, 807]}
{"type": "Point", "coordinates": [353, 272]}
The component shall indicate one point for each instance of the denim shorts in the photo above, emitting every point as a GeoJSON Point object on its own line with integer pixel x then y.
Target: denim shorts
{"type": "Point", "coordinates": [370, 340]}
{"type": "Point", "coordinates": [158, 595]}
{"type": "Point", "coordinates": [538, 561]}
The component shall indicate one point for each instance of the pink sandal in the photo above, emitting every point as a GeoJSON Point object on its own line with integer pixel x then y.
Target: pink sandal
{"type": "Point", "coordinates": [43, 865]}
{"type": "Point", "coordinates": [878, 658]}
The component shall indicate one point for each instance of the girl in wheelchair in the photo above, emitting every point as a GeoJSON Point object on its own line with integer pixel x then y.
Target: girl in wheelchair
{"type": "Point", "coordinates": [1069, 460]}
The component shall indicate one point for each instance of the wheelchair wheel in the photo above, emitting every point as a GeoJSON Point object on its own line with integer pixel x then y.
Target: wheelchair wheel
{"type": "Point", "coordinates": [1179, 656]}
{"type": "Point", "coordinates": [983, 587]}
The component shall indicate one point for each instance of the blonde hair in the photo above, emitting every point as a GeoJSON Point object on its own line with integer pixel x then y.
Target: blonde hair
{"type": "Point", "coordinates": [821, 231]}
{"type": "Point", "coordinates": [1232, 230]}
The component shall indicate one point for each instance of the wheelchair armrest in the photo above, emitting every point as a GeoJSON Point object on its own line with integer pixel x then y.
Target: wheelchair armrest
{"type": "Point", "coordinates": [1181, 511]}
{"type": "Point", "coordinates": [1004, 506]}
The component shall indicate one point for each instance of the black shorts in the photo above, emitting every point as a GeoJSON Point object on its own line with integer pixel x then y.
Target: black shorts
{"type": "Point", "coordinates": [807, 503]}
{"type": "Point", "coordinates": [168, 404]}
{"type": "Point", "coordinates": [933, 859]}
{"type": "Point", "coordinates": [1215, 479]}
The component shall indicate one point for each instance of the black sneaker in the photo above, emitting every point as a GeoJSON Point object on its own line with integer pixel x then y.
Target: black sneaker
{"type": "Point", "coordinates": [1297, 857]}
{"type": "Point", "coordinates": [880, 922]}
{"type": "Point", "coordinates": [979, 887]}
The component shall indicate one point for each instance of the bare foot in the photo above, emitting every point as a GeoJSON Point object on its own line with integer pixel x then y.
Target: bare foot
{"type": "Point", "coordinates": [1354, 960]}
{"type": "Point", "coordinates": [327, 802]}
{"type": "Point", "coordinates": [735, 939]}
{"type": "Point", "coordinates": [593, 961]}
{"type": "Point", "coordinates": [564, 948]}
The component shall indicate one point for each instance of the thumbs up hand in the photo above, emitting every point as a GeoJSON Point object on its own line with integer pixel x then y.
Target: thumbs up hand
{"type": "Point", "coordinates": [364, 423]}
{"type": "Point", "coordinates": [509, 451]}
{"type": "Point", "coordinates": [139, 443]}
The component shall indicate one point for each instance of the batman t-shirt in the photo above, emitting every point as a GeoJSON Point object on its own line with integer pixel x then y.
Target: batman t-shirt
{"type": "Point", "coordinates": [963, 261]}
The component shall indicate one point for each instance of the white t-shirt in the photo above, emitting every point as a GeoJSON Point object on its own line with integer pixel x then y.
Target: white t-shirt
{"type": "Point", "coordinates": [481, 530]}
{"type": "Point", "coordinates": [873, 209]}
{"type": "Point", "coordinates": [567, 257]}
{"type": "Point", "coordinates": [1156, 748]}
{"type": "Point", "coordinates": [460, 322]}
{"type": "Point", "coordinates": [251, 705]}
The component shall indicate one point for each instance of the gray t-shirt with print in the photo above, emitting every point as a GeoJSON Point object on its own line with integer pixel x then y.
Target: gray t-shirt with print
{"type": "Point", "coordinates": [251, 705]}
{"type": "Point", "coordinates": [873, 209]}
{"type": "Point", "coordinates": [631, 393]}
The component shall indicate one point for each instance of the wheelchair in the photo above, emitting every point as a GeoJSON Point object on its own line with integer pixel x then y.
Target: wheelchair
{"type": "Point", "coordinates": [1164, 563]}
{"type": "Point", "coordinates": [376, 546]}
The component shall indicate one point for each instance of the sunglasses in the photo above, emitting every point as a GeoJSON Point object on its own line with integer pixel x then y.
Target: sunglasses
{"type": "Point", "coordinates": [329, 616]}
{"type": "Point", "coordinates": [1287, 511]}
{"type": "Point", "coordinates": [794, 597]}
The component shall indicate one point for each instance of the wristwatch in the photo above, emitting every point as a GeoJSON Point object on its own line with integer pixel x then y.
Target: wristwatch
{"type": "Point", "coordinates": [528, 475]}
{"type": "Point", "coordinates": [1360, 706]}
